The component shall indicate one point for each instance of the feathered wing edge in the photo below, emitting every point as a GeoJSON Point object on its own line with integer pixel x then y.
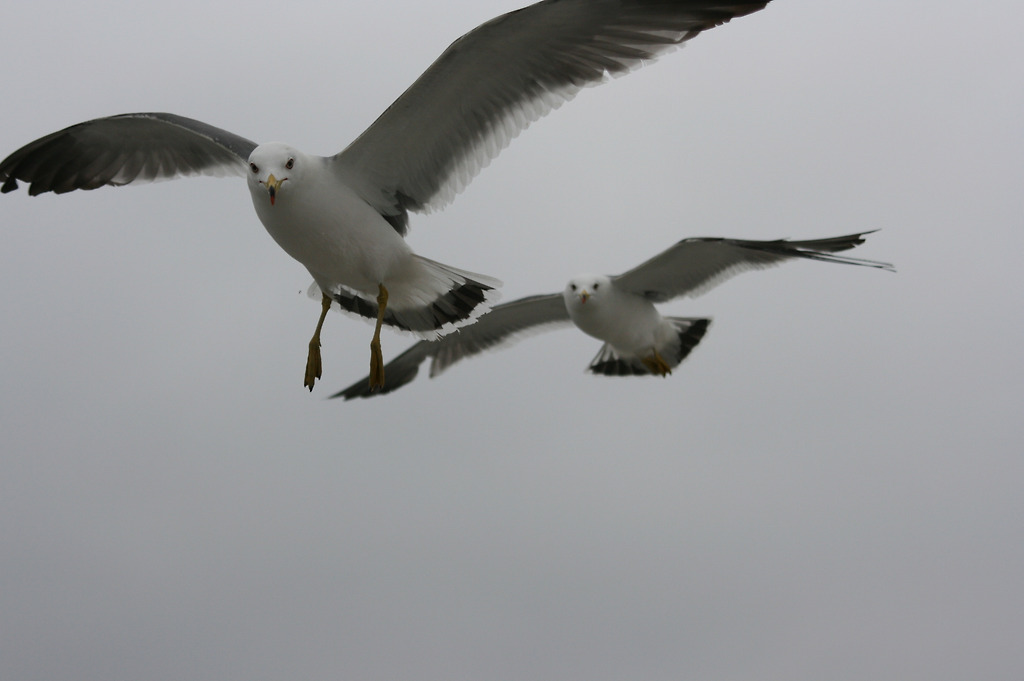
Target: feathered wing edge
{"type": "Point", "coordinates": [520, 66]}
{"type": "Point", "coordinates": [694, 266]}
{"type": "Point", "coordinates": [124, 149]}
{"type": "Point", "coordinates": [503, 325]}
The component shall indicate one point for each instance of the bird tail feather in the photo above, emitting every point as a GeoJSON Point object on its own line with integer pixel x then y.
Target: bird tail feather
{"type": "Point", "coordinates": [689, 332]}
{"type": "Point", "coordinates": [432, 301]}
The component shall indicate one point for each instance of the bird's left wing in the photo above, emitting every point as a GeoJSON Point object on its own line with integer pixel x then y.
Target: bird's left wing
{"type": "Point", "coordinates": [502, 324]}
{"type": "Point", "coordinates": [693, 266]}
{"type": "Point", "coordinates": [117, 150]}
{"type": "Point", "coordinates": [491, 83]}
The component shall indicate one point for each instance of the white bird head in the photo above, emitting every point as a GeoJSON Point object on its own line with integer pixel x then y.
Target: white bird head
{"type": "Point", "coordinates": [586, 290]}
{"type": "Point", "coordinates": [273, 165]}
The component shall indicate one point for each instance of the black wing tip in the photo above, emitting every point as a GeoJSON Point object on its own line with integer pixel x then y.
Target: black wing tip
{"type": "Point", "coordinates": [824, 250]}
{"type": "Point", "coordinates": [358, 389]}
{"type": "Point", "coordinates": [720, 15]}
{"type": "Point", "coordinates": [833, 244]}
{"type": "Point", "coordinates": [352, 392]}
{"type": "Point", "coordinates": [811, 249]}
{"type": "Point", "coordinates": [362, 390]}
{"type": "Point", "coordinates": [398, 372]}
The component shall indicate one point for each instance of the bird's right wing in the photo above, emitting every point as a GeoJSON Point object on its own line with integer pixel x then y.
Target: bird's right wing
{"type": "Point", "coordinates": [118, 150]}
{"type": "Point", "coordinates": [503, 324]}
{"type": "Point", "coordinates": [491, 83]}
{"type": "Point", "coordinates": [694, 266]}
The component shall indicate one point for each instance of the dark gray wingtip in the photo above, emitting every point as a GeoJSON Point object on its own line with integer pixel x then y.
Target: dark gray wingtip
{"type": "Point", "coordinates": [361, 388]}
{"type": "Point", "coordinates": [822, 250]}
{"type": "Point", "coordinates": [398, 372]}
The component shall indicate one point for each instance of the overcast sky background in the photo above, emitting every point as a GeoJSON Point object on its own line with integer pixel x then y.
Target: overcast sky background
{"type": "Point", "coordinates": [828, 488]}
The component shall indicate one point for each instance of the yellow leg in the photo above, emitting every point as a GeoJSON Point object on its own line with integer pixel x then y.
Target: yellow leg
{"type": "Point", "coordinates": [376, 356]}
{"type": "Point", "coordinates": [657, 364]}
{"type": "Point", "coordinates": [314, 369]}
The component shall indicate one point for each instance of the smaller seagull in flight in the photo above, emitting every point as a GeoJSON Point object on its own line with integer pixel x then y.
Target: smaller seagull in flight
{"type": "Point", "coordinates": [619, 310]}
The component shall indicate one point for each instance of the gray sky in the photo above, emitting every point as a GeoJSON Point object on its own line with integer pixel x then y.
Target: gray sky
{"type": "Point", "coordinates": [829, 487]}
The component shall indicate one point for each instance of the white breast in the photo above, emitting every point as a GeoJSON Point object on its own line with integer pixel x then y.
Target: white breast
{"type": "Point", "coordinates": [324, 225]}
{"type": "Point", "coordinates": [628, 322]}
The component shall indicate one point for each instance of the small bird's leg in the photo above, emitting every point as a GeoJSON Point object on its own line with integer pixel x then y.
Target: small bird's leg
{"type": "Point", "coordinates": [314, 368]}
{"type": "Point", "coordinates": [376, 356]}
{"type": "Point", "coordinates": [656, 364]}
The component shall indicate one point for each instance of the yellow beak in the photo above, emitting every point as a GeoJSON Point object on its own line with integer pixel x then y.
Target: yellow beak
{"type": "Point", "coordinates": [584, 295]}
{"type": "Point", "coordinates": [273, 184]}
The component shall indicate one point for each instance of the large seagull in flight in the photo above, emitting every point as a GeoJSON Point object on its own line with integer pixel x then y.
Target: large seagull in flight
{"type": "Point", "coordinates": [344, 217]}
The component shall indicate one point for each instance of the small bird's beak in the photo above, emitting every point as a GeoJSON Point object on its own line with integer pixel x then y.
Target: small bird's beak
{"type": "Point", "coordinates": [273, 184]}
{"type": "Point", "coordinates": [583, 296]}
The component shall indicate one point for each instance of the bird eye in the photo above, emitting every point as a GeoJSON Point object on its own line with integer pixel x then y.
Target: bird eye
{"type": "Point", "coordinates": [254, 168]}
{"type": "Point", "coordinates": [572, 287]}
{"type": "Point", "coordinates": [290, 164]}
{"type": "Point", "coordinates": [596, 285]}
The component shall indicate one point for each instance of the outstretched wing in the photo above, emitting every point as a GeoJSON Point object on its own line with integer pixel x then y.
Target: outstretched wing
{"type": "Point", "coordinates": [491, 83]}
{"type": "Point", "coordinates": [694, 266]}
{"type": "Point", "coordinates": [502, 324]}
{"type": "Point", "coordinates": [118, 150]}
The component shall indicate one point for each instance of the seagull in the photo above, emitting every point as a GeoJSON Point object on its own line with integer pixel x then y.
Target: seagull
{"type": "Point", "coordinates": [619, 310]}
{"type": "Point", "coordinates": [344, 217]}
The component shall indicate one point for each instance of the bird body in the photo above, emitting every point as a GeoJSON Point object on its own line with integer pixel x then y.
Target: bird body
{"type": "Point", "coordinates": [633, 330]}
{"type": "Point", "coordinates": [622, 319]}
{"type": "Point", "coordinates": [351, 246]}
